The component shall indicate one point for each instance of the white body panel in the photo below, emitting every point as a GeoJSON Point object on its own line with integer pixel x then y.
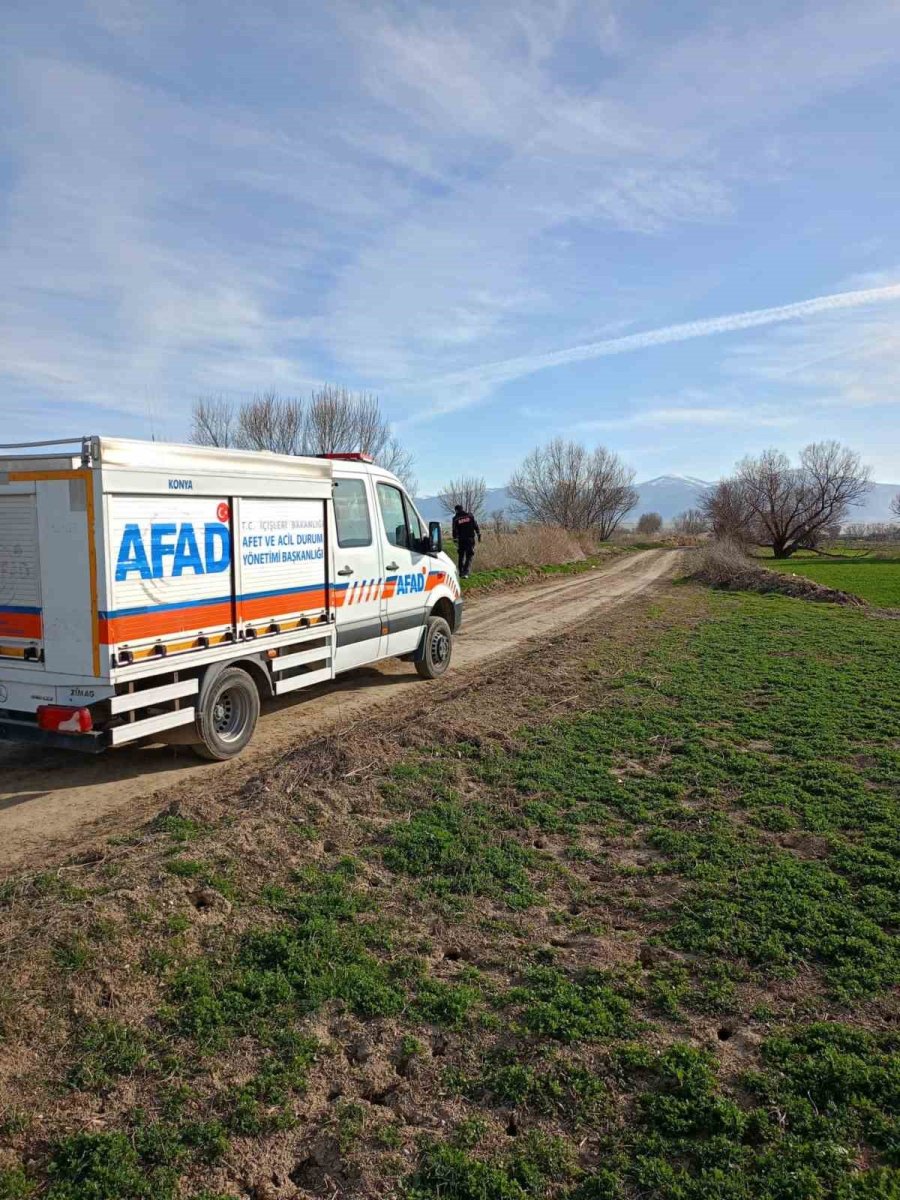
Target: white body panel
{"type": "Point", "coordinates": [130, 569]}
{"type": "Point", "coordinates": [170, 568]}
{"type": "Point", "coordinates": [280, 559]}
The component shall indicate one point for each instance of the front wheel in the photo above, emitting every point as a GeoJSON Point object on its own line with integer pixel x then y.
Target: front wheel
{"type": "Point", "coordinates": [437, 649]}
{"type": "Point", "coordinates": [226, 715]}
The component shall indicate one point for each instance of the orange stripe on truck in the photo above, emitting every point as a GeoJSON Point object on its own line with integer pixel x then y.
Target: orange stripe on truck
{"type": "Point", "coordinates": [115, 629]}
{"type": "Point", "coordinates": [275, 606]}
{"type": "Point", "coordinates": [21, 624]}
{"type": "Point", "coordinates": [193, 618]}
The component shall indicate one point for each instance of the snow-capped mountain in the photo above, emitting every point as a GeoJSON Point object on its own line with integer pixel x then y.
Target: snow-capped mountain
{"type": "Point", "coordinates": [668, 495]}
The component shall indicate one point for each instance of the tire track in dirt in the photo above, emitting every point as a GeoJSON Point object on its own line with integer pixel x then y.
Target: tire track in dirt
{"type": "Point", "coordinates": [52, 802]}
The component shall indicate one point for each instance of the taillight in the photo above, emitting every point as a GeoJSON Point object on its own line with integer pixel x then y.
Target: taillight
{"type": "Point", "coordinates": [59, 719]}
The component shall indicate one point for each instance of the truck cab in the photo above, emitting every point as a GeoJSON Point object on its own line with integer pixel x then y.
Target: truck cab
{"type": "Point", "coordinates": [387, 567]}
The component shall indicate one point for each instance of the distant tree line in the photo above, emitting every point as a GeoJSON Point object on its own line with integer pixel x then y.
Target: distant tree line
{"type": "Point", "coordinates": [768, 500]}
{"type": "Point", "coordinates": [869, 531]}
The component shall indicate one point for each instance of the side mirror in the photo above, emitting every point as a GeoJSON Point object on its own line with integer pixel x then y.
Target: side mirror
{"type": "Point", "coordinates": [435, 537]}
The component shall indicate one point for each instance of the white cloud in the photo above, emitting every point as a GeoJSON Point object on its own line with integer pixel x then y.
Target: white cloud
{"type": "Point", "coordinates": [831, 363]}
{"type": "Point", "coordinates": [472, 381]}
{"type": "Point", "coordinates": [716, 417]}
{"type": "Point", "coordinates": [528, 160]}
{"type": "Point", "coordinates": [411, 198]}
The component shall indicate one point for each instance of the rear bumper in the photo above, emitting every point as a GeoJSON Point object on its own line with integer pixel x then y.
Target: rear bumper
{"type": "Point", "coordinates": [27, 731]}
{"type": "Point", "coordinates": [457, 615]}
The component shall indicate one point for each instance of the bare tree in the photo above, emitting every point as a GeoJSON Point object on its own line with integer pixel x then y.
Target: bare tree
{"type": "Point", "coordinates": [563, 483]}
{"type": "Point", "coordinates": [792, 505]}
{"type": "Point", "coordinates": [334, 421]}
{"type": "Point", "coordinates": [691, 522]}
{"type": "Point", "coordinates": [271, 422]}
{"type": "Point", "coordinates": [895, 505]}
{"type": "Point", "coordinates": [467, 490]}
{"type": "Point", "coordinates": [649, 522]}
{"type": "Point", "coordinates": [212, 422]}
{"type": "Point", "coordinates": [341, 421]}
{"type": "Point", "coordinates": [499, 524]}
{"type": "Point", "coordinates": [727, 511]}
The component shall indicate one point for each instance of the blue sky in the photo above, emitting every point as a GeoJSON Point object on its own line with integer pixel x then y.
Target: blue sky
{"type": "Point", "coordinates": [486, 213]}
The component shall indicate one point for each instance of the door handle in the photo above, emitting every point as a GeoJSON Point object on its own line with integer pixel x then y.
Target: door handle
{"type": "Point", "coordinates": [345, 571]}
{"type": "Point", "coordinates": [392, 566]}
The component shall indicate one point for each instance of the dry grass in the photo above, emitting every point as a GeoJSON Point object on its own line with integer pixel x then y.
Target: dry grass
{"type": "Point", "coordinates": [527, 546]}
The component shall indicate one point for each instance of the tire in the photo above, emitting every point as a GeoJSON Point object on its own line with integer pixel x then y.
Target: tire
{"type": "Point", "coordinates": [437, 649]}
{"type": "Point", "coordinates": [227, 713]}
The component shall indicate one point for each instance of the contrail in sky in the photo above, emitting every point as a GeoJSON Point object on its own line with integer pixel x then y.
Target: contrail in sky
{"type": "Point", "coordinates": [514, 368]}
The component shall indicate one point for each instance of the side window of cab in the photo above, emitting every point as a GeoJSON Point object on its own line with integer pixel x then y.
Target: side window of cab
{"type": "Point", "coordinates": [393, 515]}
{"type": "Point", "coordinates": [417, 530]}
{"type": "Point", "coordinates": [402, 526]}
{"type": "Point", "coordinates": [351, 513]}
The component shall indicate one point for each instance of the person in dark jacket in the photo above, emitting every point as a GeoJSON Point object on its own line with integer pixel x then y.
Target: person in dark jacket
{"type": "Point", "coordinates": [465, 532]}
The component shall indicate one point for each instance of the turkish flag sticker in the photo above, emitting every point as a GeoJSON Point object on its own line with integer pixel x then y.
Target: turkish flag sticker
{"type": "Point", "coordinates": [223, 512]}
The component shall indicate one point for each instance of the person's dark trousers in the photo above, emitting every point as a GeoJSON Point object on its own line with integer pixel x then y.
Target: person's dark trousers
{"type": "Point", "coordinates": [466, 554]}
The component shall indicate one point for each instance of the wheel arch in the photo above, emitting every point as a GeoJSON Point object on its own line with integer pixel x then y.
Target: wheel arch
{"type": "Point", "coordinates": [253, 665]}
{"type": "Point", "coordinates": [444, 607]}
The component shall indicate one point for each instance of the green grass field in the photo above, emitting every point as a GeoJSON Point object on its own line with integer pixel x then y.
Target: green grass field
{"type": "Point", "coordinates": [874, 579]}
{"type": "Point", "coordinates": [627, 931]}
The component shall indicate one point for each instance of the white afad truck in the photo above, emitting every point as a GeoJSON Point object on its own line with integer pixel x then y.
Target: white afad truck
{"type": "Point", "coordinates": [161, 592]}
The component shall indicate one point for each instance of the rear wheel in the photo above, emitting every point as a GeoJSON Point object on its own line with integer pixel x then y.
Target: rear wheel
{"type": "Point", "coordinates": [227, 713]}
{"type": "Point", "coordinates": [437, 649]}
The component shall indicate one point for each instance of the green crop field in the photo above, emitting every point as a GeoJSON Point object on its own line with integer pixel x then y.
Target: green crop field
{"type": "Point", "coordinates": [874, 579]}
{"type": "Point", "coordinates": [623, 929]}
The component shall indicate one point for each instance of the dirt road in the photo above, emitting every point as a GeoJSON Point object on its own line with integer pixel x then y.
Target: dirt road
{"type": "Point", "coordinates": [51, 802]}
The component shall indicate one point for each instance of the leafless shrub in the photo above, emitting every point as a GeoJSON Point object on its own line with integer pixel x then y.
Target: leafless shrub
{"type": "Point", "coordinates": [649, 522]}
{"type": "Point", "coordinates": [895, 505]}
{"type": "Point", "coordinates": [721, 561]}
{"type": "Point", "coordinates": [726, 565]}
{"type": "Point", "coordinates": [467, 490]}
{"type": "Point", "coordinates": [565, 484]}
